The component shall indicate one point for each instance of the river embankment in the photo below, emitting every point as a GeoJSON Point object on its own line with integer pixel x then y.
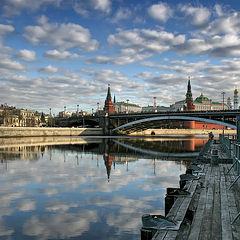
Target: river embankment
{"type": "Point", "coordinates": [48, 131]}
{"type": "Point", "coordinates": [182, 132]}
{"type": "Point", "coordinates": [52, 131]}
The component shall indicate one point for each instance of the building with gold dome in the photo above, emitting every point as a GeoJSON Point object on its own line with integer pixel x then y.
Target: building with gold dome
{"type": "Point", "coordinates": [203, 103]}
{"type": "Point", "coordinates": [229, 103]}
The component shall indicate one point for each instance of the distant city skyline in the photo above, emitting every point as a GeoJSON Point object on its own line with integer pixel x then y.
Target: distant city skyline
{"type": "Point", "coordinates": [56, 53]}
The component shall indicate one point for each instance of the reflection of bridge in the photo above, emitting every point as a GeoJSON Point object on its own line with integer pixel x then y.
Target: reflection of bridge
{"type": "Point", "coordinates": [140, 121]}
{"type": "Point", "coordinates": [157, 154]}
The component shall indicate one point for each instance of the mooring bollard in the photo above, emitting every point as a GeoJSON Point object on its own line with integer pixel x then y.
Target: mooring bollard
{"type": "Point", "coordinates": [146, 234]}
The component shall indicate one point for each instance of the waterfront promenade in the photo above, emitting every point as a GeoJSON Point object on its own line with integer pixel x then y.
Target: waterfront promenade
{"type": "Point", "coordinates": [211, 210]}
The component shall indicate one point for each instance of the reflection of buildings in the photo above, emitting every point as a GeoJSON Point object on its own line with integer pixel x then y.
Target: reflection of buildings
{"type": "Point", "coordinates": [22, 152]}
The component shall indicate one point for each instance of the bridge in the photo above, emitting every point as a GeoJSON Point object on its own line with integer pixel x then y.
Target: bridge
{"type": "Point", "coordinates": [132, 122]}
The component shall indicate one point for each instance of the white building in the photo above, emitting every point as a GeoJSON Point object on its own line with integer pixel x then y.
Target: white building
{"type": "Point", "coordinates": [122, 107]}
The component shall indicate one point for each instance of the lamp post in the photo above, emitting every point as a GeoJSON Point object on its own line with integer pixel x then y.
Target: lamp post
{"type": "Point", "coordinates": [223, 93]}
{"type": "Point", "coordinates": [64, 113]}
{"type": "Point", "coordinates": [50, 117]}
{"type": "Point", "coordinates": [127, 105]}
{"type": "Point", "coordinates": [154, 103]}
{"type": "Point", "coordinates": [77, 109]}
{"type": "Point", "coordinates": [97, 106]}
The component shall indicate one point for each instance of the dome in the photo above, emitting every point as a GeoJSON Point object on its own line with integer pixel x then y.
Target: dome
{"type": "Point", "coordinates": [235, 91]}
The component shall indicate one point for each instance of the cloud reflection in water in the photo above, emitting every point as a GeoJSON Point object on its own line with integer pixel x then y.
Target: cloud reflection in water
{"type": "Point", "coordinates": [63, 194]}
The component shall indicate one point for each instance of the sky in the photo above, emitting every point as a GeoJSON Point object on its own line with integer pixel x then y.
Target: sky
{"type": "Point", "coordinates": [56, 53]}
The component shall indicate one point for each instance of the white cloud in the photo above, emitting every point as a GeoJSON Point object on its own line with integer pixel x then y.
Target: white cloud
{"type": "Point", "coordinates": [26, 55]}
{"type": "Point", "coordinates": [144, 75]}
{"type": "Point", "coordinates": [140, 40]}
{"type": "Point", "coordinates": [48, 69]}
{"type": "Point", "coordinates": [83, 7]}
{"type": "Point", "coordinates": [47, 226]}
{"type": "Point", "coordinates": [121, 14]}
{"type": "Point", "coordinates": [121, 60]}
{"type": "Point", "coordinates": [101, 5]}
{"type": "Point", "coordinates": [16, 6]}
{"type": "Point", "coordinates": [8, 64]}
{"type": "Point", "coordinates": [60, 55]}
{"type": "Point", "coordinates": [161, 12]}
{"type": "Point", "coordinates": [227, 24]}
{"type": "Point", "coordinates": [198, 16]}
{"type": "Point", "coordinates": [218, 9]}
{"type": "Point", "coordinates": [4, 29]}
{"type": "Point", "coordinates": [55, 34]}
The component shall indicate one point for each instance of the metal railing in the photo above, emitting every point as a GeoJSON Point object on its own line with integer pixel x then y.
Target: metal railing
{"type": "Point", "coordinates": [234, 148]}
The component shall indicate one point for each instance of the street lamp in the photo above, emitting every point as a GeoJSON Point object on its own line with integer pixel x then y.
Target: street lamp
{"type": "Point", "coordinates": [223, 109]}
{"type": "Point", "coordinates": [154, 103]}
{"type": "Point", "coordinates": [127, 105]}
{"type": "Point", "coordinates": [98, 106]}
{"type": "Point", "coordinates": [77, 109]}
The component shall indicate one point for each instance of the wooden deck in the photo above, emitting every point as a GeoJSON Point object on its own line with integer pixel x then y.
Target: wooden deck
{"type": "Point", "coordinates": [217, 206]}
{"type": "Point", "coordinates": [214, 205]}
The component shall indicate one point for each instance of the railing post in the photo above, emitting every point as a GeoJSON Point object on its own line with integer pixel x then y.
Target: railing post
{"type": "Point", "coordinates": [238, 127]}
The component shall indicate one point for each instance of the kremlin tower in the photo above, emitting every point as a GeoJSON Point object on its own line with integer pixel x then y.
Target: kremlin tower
{"type": "Point", "coordinates": [235, 99]}
{"type": "Point", "coordinates": [189, 106]}
{"type": "Point", "coordinates": [108, 106]}
{"type": "Point", "coordinates": [189, 100]}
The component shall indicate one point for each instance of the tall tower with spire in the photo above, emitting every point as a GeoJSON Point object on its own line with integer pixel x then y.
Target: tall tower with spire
{"type": "Point", "coordinates": [235, 99]}
{"type": "Point", "coordinates": [108, 106]}
{"type": "Point", "coordinates": [189, 99]}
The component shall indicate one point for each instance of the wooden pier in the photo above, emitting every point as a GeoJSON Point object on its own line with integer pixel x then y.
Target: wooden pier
{"type": "Point", "coordinates": [211, 210]}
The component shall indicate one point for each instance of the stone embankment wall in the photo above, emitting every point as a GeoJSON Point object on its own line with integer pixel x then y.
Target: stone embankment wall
{"type": "Point", "coordinates": [45, 131]}
{"type": "Point", "coordinates": [182, 132]}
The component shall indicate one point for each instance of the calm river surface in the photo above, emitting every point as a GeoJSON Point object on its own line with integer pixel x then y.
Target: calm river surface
{"type": "Point", "coordinates": [87, 188]}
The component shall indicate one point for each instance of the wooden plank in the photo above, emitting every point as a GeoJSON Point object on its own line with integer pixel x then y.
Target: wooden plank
{"type": "Point", "coordinates": [160, 235]}
{"type": "Point", "coordinates": [171, 235]}
{"type": "Point", "coordinates": [225, 217]}
{"type": "Point", "coordinates": [197, 220]}
{"type": "Point", "coordinates": [177, 213]}
{"type": "Point", "coordinates": [206, 227]}
{"type": "Point", "coordinates": [216, 215]}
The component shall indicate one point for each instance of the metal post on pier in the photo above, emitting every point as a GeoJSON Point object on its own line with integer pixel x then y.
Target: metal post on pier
{"type": "Point", "coordinates": [238, 127]}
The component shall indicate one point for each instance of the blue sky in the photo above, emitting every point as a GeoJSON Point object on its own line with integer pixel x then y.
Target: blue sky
{"type": "Point", "coordinates": [56, 53]}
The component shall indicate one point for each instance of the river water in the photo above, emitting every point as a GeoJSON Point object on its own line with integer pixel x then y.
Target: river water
{"type": "Point", "coordinates": [87, 188]}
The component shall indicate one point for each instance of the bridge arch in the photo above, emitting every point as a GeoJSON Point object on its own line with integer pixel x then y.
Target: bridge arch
{"type": "Point", "coordinates": [198, 119]}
